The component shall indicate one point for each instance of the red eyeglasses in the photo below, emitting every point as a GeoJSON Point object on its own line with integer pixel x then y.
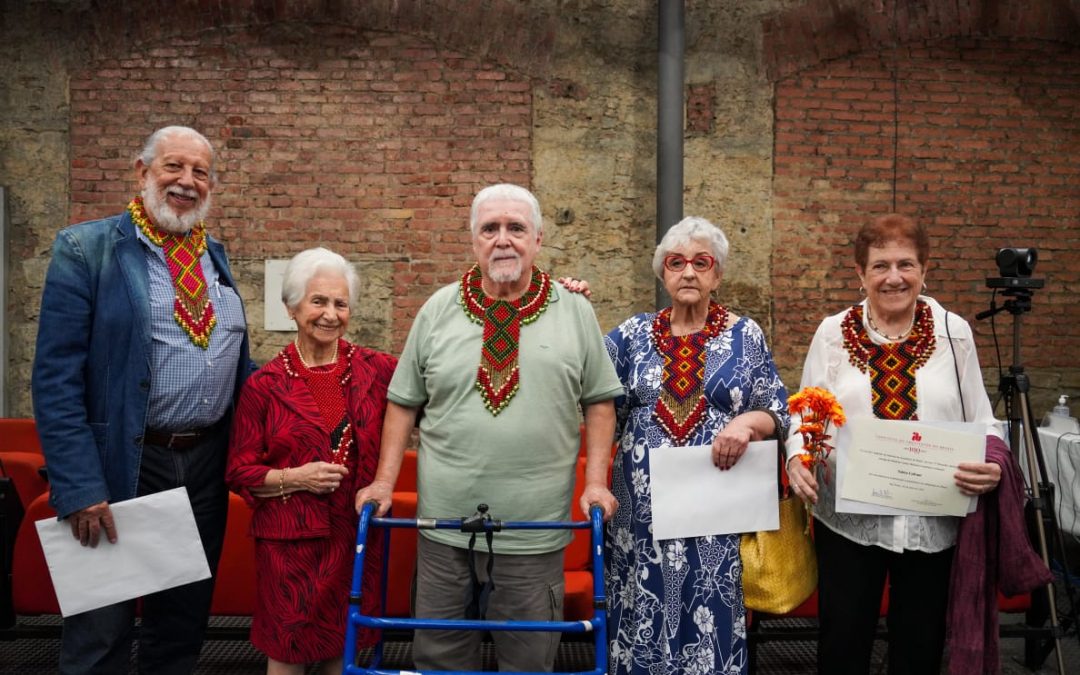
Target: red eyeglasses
{"type": "Point", "coordinates": [677, 263]}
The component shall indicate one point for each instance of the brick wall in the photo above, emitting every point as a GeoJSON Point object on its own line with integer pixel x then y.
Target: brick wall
{"type": "Point", "coordinates": [975, 138]}
{"type": "Point", "coordinates": [370, 144]}
{"type": "Point", "coordinates": [278, 86]}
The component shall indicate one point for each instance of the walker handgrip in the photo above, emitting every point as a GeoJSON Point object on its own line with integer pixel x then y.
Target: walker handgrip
{"type": "Point", "coordinates": [595, 508]}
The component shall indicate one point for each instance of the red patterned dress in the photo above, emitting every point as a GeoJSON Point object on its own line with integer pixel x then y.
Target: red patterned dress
{"type": "Point", "coordinates": [288, 416]}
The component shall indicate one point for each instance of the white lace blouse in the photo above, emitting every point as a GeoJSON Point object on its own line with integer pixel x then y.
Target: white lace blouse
{"type": "Point", "coordinates": [938, 398]}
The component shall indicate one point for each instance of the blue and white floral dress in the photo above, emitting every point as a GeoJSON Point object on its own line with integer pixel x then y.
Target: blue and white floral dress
{"type": "Point", "coordinates": [676, 605]}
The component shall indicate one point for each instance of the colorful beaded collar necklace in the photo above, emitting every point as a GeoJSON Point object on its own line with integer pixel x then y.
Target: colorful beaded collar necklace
{"type": "Point", "coordinates": [891, 366]}
{"type": "Point", "coordinates": [498, 376]}
{"type": "Point", "coordinates": [192, 308]}
{"type": "Point", "coordinates": [680, 408]}
{"type": "Point", "coordinates": [329, 386]}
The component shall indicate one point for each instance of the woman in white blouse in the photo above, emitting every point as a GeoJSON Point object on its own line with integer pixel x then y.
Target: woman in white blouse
{"type": "Point", "coordinates": [895, 355]}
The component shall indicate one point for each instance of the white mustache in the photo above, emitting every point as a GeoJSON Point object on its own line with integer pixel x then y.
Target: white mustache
{"type": "Point", "coordinates": [183, 192]}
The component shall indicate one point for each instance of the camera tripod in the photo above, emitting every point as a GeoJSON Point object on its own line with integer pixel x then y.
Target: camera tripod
{"type": "Point", "coordinates": [1013, 389]}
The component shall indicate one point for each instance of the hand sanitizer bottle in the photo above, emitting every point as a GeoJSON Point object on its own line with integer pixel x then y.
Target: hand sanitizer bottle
{"type": "Point", "coordinates": [1059, 420]}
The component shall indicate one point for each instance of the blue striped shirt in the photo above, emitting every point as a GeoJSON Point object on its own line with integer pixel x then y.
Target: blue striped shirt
{"type": "Point", "coordinates": [190, 387]}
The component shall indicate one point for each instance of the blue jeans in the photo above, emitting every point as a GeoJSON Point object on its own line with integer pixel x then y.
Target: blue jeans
{"type": "Point", "coordinates": [173, 621]}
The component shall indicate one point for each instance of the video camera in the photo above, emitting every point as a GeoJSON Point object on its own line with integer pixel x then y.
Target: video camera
{"type": "Point", "coordinates": [1015, 266]}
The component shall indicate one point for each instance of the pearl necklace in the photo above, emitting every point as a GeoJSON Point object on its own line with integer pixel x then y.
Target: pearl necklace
{"type": "Point", "coordinates": [891, 338]}
{"type": "Point", "coordinates": [333, 358]}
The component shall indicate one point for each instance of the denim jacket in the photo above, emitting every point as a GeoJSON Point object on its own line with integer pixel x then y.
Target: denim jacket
{"type": "Point", "coordinates": [91, 376]}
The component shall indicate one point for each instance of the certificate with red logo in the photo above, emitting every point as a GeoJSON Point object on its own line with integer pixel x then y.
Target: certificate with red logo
{"type": "Point", "coordinates": [905, 466]}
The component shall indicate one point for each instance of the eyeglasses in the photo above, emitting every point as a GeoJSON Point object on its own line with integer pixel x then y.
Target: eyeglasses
{"type": "Point", "coordinates": [677, 263]}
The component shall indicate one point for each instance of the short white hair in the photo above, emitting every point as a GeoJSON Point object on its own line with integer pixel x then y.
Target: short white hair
{"type": "Point", "coordinates": [306, 265]}
{"type": "Point", "coordinates": [691, 228]}
{"type": "Point", "coordinates": [508, 192]}
{"type": "Point", "coordinates": [150, 147]}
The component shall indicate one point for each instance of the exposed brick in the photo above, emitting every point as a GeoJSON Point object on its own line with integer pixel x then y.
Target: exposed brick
{"type": "Point", "coordinates": [965, 167]}
{"type": "Point", "coordinates": [350, 152]}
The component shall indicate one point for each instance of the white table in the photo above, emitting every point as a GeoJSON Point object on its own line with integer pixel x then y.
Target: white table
{"type": "Point", "coordinates": [1061, 452]}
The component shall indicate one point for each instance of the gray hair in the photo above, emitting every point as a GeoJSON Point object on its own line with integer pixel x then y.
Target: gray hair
{"type": "Point", "coordinates": [150, 147]}
{"type": "Point", "coordinates": [309, 264]}
{"type": "Point", "coordinates": [508, 192]}
{"type": "Point", "coordinates": [691, 228]}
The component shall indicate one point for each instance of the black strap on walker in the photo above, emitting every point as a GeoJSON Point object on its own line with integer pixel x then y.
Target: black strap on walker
{"type": "Point", "coordinates": [476, 598]}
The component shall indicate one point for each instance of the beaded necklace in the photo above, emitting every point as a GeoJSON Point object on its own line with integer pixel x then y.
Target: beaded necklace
{"type": "Point", "coordinates": [498, 376]}
{"type": "Point", "coordinates": [891, 338]}
{"type": "Point", "coordinates": [681, 406]}
{"type": "Point", "coordinates": [328, 385]}
{"type": "Point", "coordinates": [300, 354]}
{"type": "Point", "coordinates": [891, 366]}
{"type": "Point", "coordinates": [192, 308]}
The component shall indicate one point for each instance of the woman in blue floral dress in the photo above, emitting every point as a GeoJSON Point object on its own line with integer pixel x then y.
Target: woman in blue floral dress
{"type": "Point", "coordinates": [694, 374]}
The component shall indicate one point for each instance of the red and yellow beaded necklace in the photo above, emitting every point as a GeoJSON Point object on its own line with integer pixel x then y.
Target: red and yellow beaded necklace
{"type": "Point", "coordinates": [498, 376]}
{"type": "Point", "coordinates": [892, 365]}
{"type": "Point", "coordinates": [192, 308]}
{"type": "Point", "coordinates": [681, 406]}
{"type": "Point", "coordinates": [329, 386]}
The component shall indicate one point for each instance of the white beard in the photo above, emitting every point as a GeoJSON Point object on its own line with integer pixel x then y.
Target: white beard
{"type": "Point", "coordinates": [163, 215]}
{"type": "Point", "coordinates": [504, 275]}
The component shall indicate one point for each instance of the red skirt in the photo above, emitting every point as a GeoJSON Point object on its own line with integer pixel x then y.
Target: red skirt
{"type": "Point", "coordinates": [303, 589]}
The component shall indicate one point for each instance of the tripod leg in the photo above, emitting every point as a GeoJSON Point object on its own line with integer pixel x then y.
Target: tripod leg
{"type": "Point", "coordinates": [1037, 471]}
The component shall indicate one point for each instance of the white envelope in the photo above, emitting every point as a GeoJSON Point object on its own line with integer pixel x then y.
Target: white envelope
{"type": "Point", "coordinates": [692, 498]}
{"type": "Point", "coordinates": [158, 547]}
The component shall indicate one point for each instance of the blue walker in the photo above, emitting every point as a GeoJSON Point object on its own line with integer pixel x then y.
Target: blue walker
{"type": "Point", "coordinates": [597, 625]}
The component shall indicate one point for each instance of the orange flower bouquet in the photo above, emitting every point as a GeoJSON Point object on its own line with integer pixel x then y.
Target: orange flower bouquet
{"type": "Point", "coordinates": [817, 408]}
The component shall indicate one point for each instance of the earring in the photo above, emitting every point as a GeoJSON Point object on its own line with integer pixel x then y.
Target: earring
{"type": "Point", "coordinates": [924, 288]}
{"type": "Point", "coordinates": [862, 291]}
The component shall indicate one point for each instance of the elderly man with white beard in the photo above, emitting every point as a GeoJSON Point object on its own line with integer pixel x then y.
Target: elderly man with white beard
{"type": "Point", "coordinates": [141, 351]}
{"type": "Point", "coordinates": [500, 364]}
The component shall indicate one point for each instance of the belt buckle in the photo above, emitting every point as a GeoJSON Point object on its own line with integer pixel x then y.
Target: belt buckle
{"type": "Point", "coordinates": [173, 438]}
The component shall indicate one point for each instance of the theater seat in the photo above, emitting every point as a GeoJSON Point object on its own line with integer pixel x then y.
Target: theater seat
{"type": "Point", "coordinates": [1015, 604]}
{"type": "Point", "coordinates": [406, 481]}
{"type": "Point", "coordinates": [578, 599]}
{"type": "Point", "coordinates": [19, 434]}
{"type": "Point", "coordinates": [32, 589]}
{"type": "Point", "coordinates": [24, 469]}
{"type": "Point", "coordinates": [235, 590]}
{"type": "Point", "coordinates": [402, 556]}
{"type": "Point", "coordinates": [234, 595]}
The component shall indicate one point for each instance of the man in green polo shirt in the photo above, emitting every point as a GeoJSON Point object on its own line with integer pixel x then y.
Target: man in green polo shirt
{"type": "Point", "coordinates": [500, 363]}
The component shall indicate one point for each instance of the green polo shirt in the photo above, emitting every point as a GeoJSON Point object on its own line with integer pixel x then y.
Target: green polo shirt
{"type": "Point", "coordinates": [520, 463]}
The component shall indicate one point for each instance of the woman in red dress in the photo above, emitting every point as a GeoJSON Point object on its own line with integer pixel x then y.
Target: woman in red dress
{"type": "Point", "coordinates": [305, 437]}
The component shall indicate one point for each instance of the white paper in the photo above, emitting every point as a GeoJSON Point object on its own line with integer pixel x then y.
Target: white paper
{"type": "Point", "coordinates": [157, 547]}
{"type": "Point", "coordinates": [692, 498]}
{"type": "Point", "coordinates": [844, 448]}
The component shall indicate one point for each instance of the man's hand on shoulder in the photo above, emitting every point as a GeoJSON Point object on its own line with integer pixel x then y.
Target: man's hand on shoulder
{"type": "Point", "coordinates": [576, 285]}
{"type": "Point", "coordinates": [87, 524]}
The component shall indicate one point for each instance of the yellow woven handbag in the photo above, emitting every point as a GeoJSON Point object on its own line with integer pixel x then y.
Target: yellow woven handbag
{"type": "Point", "coordinates": [779, 568]}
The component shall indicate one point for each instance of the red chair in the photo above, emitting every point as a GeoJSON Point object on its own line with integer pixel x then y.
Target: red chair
{"type": "Point", "coordinates": [32, 589]}
{"type": "Point", "coordinates": [24, 470]}
{"type": "Point", "coordinates": [577, 562]}
{"type": "Point", "coordinates": [406, 481]}
{"type": "Point", "coordinates": [234, 594]}
{"type": "Point", "coordinates": [235, 590]}
{"type": "Point", "coordinates": [583, 448]}
{"type": "Point", "coordinates": [19, 434]}
{"type": "Point", "coordinates": [402, 557]}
